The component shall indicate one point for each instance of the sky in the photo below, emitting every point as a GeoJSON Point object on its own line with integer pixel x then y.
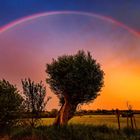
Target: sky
{"type": "Point", "coordinates": [125, 11]}
{"type": "Point", "coordinates": [32, 32]}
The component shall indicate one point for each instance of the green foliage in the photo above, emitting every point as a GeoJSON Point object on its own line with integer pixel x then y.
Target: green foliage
{"type": "Point", "coordinates": [34, 94]}
{"type": "Point", "coordinates": [10, 104]}
{"type": "Point", "coordinates": [79, 77]}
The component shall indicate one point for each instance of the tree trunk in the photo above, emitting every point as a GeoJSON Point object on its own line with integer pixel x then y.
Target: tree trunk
{"type": "Point", "coordinates": [66, 112]}
{"type": "Point", "coordinates": [57, 119]}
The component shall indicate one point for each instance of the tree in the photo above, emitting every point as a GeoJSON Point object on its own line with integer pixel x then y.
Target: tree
{"type": "Point", "coordinates": [34, 94]}
{"type": "Point", "coordinates": [75, 79]}
{"type": "Point", "coordinates": [10, 104]}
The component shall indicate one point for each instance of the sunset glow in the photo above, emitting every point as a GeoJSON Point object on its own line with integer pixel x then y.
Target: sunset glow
{"type": "Point", "coordinates": [28, 44]}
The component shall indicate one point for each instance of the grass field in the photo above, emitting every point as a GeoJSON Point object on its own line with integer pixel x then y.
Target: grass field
{"type": "Point", "coordinates": [74, 132]}
{"type": "Point", "coordinates": [109, 120]}
{"type": "Point", "coordinates": [87, 127]}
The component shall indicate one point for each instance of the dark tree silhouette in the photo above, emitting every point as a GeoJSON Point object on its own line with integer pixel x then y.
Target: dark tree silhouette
{"type": "Point", "coordinates": [34, 94]}
{"type": "Point", "coordinates": [75, 79]}
{"type": "Point", "coordinates": [10, 104]}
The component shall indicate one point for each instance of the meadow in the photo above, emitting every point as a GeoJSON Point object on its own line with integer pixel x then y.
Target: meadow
{"type": "Point", "coordinates": [86, 127]}
{"type": "Point", "coordinates": [108, 120]}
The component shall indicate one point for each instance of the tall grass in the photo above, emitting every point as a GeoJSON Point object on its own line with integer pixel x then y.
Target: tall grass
{"type": "Point", "coordinates": [74, 132]}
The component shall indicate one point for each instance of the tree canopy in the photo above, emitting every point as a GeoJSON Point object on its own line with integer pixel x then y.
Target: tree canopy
{"type": "Point", "coordinates": [79, 76]}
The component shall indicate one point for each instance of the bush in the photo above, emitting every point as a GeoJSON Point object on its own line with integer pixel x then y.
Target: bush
{"type": "Point", "coordinates": [10, 104]}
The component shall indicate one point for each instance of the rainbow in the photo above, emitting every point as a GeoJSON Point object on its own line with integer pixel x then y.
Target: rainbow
{"type": "Point", "coordinates": [35, 16]}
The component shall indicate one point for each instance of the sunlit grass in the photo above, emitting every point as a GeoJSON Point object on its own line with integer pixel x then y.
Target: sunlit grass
{"type": "Point", "coordinates": [109, 120]}
{"type": "Point", "coordinates": [47, 121]}
{"type": "Point", "coordinates": [87, 127]}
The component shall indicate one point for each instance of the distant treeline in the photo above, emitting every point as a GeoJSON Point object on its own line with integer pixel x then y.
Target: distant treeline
{"type": "Point", "coordinates": [103, 112]}
{"type": "Point", "coordinates": [53, 113]}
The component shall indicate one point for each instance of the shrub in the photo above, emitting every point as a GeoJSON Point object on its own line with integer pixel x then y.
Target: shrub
{"type": "Point", "coordinates": [10, 104]}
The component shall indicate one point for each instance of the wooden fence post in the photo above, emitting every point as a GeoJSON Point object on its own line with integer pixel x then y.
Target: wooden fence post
{"type": "Point", "coordinates": [118, 118]}
{"type": "Point", "coordinates": [131, 118]}
{"type": "Point", "coordinates": [134, 122]}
